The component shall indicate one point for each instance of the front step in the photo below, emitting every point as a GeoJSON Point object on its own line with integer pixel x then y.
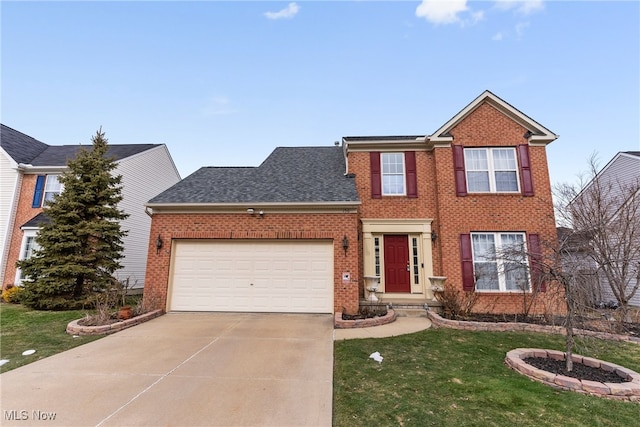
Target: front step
{"type": "Point", "coordinates": [407, 308]}
{"type": "Point", "coordinates": [410, 311]}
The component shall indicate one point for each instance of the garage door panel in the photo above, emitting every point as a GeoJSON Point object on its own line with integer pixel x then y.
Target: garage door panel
{"type": "Point", "coordinates": [261, 276]}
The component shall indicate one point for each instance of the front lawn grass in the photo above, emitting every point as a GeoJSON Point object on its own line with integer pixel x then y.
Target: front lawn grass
{"type": "Point", "coordinates": [445, 377]}
{"type": "Point", "coordinates": [44, 331]}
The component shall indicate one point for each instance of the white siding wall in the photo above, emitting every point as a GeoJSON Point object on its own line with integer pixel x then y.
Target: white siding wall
{"type": "Point", "coordinates": [144, 176]}
{"type": "Point", "coordinates": [8, 190]}
{"type": "Point", "coordinates": [622, 172]}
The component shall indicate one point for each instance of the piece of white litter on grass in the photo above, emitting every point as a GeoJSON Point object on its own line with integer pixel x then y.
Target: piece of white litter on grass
{"type": "Point", "coordinates": [376, 356]}
{"type": "Point", "coordinates": [3, 361]}
{"type": "Point", "coordinates": [28, 352]}
{"type": "Point", "coordinates": [76, 336]}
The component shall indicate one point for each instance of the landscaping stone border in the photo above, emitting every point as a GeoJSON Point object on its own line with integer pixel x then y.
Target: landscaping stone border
{"type": "Point", "coordinates": [338, 323]}
{"type": "Point", "coordinates": [438, 321]}
{"type": "Point", "coordinates": [629, 390]}
{"type": "Point", "coordinates": [74, 328]}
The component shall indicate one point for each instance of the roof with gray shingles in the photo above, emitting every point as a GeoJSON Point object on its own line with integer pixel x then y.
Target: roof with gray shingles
{"type": "Point", "coordinates": [25, 149]}
{"type": "Point", "coordinates": [37, 221]}
{"type": "Point", "coordinates": [59, 155]}
{"type": "Point", "coordinates": [22, 148]}
{"type": "Point", "coordinates": [288, 175]}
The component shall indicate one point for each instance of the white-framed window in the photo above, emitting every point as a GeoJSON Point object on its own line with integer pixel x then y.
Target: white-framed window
{"type": "Point", "coordinates": [393, 174]}
{"type": "Point", "coordinates": [491, 170]}
{"type": "Point", "coordinates": [26, 250]}
{"type": "Point", "coordinates": [500, 262]}
{"type": "Point", "coordinates": [52, 187]}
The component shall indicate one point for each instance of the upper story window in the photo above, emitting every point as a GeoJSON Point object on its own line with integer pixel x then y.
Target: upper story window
{"type": "Point", "coordinates": [47, 186]}
{"type": "Point", "coordinates": [491, 170]}
{"type": "Point", "coordinates": [393, 178]}
{"type": "Point", "coordinates": [393, 174]}
{"type": "Point", "coordinates": [52, 187]}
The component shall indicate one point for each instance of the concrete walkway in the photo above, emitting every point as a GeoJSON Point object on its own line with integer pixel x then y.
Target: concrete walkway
{"type": "Point", "coordinates": [184, 369]}
{"type": "Point", "coordinates": [401, 326]}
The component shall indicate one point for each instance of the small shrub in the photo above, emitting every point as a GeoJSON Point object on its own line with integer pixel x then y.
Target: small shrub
{"type": "Point", "coordinates": [456, 303]}
{"type": "Point", "coordinates": [12, 294]}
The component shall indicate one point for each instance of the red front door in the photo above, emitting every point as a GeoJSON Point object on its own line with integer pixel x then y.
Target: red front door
{"type": "Point", "coordinates": [396, 264]}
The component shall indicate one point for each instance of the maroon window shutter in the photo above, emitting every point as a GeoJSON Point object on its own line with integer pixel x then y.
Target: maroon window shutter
{"type": "Point", "coordinates": [466, 259]}
{"type": "Point", "coordinates": [535, 260]}
{"type": "Point", "coordinates": [412, 178]}
{"type": "Point", "coordinates": [458, 167]}
{"type": "Point", "coordinates": [376, 178]}
{"type": "Point", "coordinates": [525, 170]}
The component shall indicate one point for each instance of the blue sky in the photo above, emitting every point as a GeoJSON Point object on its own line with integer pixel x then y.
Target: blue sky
{"type": "Point", "coordinates": [223, 83]}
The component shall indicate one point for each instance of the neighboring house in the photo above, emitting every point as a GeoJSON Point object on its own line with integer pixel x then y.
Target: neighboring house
{"type": "Point", "coordinates": [29, 171]}
{"type": "Point", "coordinates": [615, 180]}
{"type": "Point", "coordinates": [302, 231]}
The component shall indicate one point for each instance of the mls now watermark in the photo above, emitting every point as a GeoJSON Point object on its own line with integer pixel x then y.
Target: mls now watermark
{"type": "Point", "coordinates": [24, 415]}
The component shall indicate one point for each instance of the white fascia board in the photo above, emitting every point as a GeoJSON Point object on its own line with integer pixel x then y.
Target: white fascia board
{"type": "Point", "coordinates": [342, 207]}
{"type": "Point", "coordinates": [30, 169]}
{"type": "Point", "coordinates": [540, 135]}
{"type": "Point", "coordinates": [388, 145]}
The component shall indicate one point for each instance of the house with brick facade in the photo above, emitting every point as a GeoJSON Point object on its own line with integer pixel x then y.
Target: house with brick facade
{"type": "Point", "coordinates": [29, 171]}
{"type": "Point", "coordinates": [316, 229]}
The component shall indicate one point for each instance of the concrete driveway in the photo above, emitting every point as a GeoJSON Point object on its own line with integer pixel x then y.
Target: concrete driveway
{"type": "Point", "coordinates": [184, 369]}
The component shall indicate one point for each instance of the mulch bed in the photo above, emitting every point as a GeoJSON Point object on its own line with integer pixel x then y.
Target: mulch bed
{"type": "Point", "coordinates": [599, 324]}
{"type": "Point", "coordinates": [579, 371]}
{"type": "Point", "coordinates": [366, 312]}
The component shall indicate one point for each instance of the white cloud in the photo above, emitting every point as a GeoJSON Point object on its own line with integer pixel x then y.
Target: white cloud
{"type": "Point", "coordinates": [524, 7]}
{"type": "Point", "coordinates": [287, 13]}
{"type": "Point", "coordinates": [441, 11]}
{"type": "Point", "coordinates": [498, 36]}
{"type": "Point", "coordinates": [217, 106]}
{"type": "Point", "coordinates": [520, 27]}
{"type": "Point", "coordinates": [448, 12]}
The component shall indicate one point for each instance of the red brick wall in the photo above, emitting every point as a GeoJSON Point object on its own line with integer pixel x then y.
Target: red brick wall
{"type": "Point", "coordinates": [395, 206]}
{"type": "Point", "coordinates": [453, 215]}
{"type": "Point", "coordinates": [243, 226]}
{"type": "Point", "coordinates": [486, 126]}
{"type": "Point", "coordinates": [23, 214]}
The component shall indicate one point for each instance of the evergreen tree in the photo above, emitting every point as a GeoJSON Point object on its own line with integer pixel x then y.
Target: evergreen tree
{"type": "Point", "coordinates": [81, 248]}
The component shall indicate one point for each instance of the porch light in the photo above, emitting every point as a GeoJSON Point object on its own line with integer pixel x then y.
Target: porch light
{"type": "Point", "coordinates": [345, 244]}
{"type": "Point", "coordinates": [434, 236]}
{"type": "Point", "coordinates": [158, 244]}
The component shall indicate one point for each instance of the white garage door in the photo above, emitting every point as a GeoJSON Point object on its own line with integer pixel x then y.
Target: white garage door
{"type": "Point", "coordinates": [254, 276]}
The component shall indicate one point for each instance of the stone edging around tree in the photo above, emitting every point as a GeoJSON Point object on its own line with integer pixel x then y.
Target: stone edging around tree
{"type": "Point", "coordinates": [438, 321]}
{"type": "Point", "coordinates": [74, 328]}
{"type": "Point", "coordinates": [629, 390]}
{"type": "Point", "coordinates": [363, 323]}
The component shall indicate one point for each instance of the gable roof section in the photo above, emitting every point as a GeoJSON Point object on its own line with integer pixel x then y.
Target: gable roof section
{"type": "Point", "coordinates": [37, 221]}
{"type": "Point", "coordinates": [22, 148]}
{"type": "Point", "coordinates": [27, 150]}
{"type": "Point", "coordinates": [290, 175]}
{"type": "Point", "coordinates": [59, 155]}
{"type": "Point", "coordinates": [538, 133]}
